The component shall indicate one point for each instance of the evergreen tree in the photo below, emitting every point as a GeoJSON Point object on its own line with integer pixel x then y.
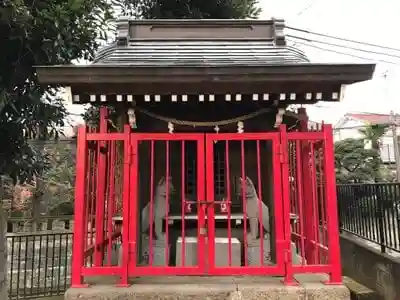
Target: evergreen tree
{"type": "Point", "coordinates": [40, 32]}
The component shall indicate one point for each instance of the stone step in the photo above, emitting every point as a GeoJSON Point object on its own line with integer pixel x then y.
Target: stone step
{"type": "Point", "coordinates": [221, 288]}
{"type": "Point", "coordinates": [359, 291]}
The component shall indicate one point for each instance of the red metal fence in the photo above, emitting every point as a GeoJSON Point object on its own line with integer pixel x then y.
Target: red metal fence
{"type": "Point", "coordinates": [310, 195]}
{"type": "Point", "coordinates": [151, 204]}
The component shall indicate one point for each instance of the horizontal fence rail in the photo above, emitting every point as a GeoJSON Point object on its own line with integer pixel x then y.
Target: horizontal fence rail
{"type": "Point", "coordinates": [372, 212]}
{"type": "Point", "coordinates": [42, 223]}
{"type": "Point", "coordinates": [39, 264]}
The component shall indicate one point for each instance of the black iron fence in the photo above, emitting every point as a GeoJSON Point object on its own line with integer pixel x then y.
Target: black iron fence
{"type": "Point", "coordinates": [372, 212]}
{"type": "Point", "coordinates": [38, 264]}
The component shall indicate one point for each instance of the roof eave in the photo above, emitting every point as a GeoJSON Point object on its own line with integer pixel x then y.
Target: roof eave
{"type": "Point", "coordinates": [107, 74]}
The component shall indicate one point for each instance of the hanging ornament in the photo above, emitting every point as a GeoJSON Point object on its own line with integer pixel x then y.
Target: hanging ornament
{"type": "Point", "coordinates": [216, 129]}
{"type": "Point", "coordinates": [279, 117]}
{"type": "Point", "coordinates": [240, 127]}
{"type": "Point", "coordinates": [132, 118]}
{"type": "Point", "coordinates": [170, 127]}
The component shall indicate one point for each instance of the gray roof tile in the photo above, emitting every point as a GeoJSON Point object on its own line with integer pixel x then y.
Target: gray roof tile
{"type": "Point", "coordinates": [199, 53]}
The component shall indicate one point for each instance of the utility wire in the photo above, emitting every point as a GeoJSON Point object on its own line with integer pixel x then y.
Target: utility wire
{"type": "Point", "coordinates": [347, 54]}
{"type": "Point", "coordinates": [342, 39]}
{"type": "Point", "coordinates": [341, 46]}
{"type": "Point", "coordinates": [306, 8]}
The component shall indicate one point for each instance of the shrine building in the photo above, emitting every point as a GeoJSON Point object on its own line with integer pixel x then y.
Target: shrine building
{"type": "Point", "coordinates": [202, 161]}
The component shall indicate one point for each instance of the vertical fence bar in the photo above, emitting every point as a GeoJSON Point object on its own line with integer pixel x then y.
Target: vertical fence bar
{"type": "Point", "coordinates": [125, 207]}
{"type": "Point", "coordinates": [183, 196]}
{"type": "Point", "coordinates": [314, 206]}
{"type": "Point", "coordinates": [322, 202]}
{"type": "Point", "coordinates": [300, 186]}
{"type": "Point", "coordinates": [92, 168]}
{"type": "Point", "coordinates": [101, 188]}
{"type": "Point", "coordinates": [229, 199]}
{"type": "Point", "coordinates": [244, 201]}
{"type": "Point", "coordinates": [277, 160]}
{"type": "Point", "coordinates": [168, 183]}
{"type": "Point", "coordinates": [260, 201]}
{"type": "Point", "coordinates": [80, 181]}
{"type": "Point", "coordinates": [380, 215]}
{"type": "Point", "coordinates": [88, 188]}
{"type": "Point", "coordinates": [206, 210]}
{"type": "Point", "coordinates": [134, 205]}
{"type": "Point", "coordinates": [151, 205]}
{"type": "Point", "coordinates": [308, 209]}
{"type": "Point", "coordinates": [289, 278]}
{"type": "Point", "coordinates": [331, 206]}
{"type": "Point", "coordinates": [111, 196]}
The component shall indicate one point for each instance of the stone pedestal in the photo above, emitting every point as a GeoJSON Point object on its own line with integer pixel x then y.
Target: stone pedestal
{"type": "Point", "coordinates": [189, 258]}
{"type": "Point", "coordinates": [221, 252]}
{"type": "Point", "coordinates": [254, 257]}
{"type": "Point", "coordinates": [296, 258]}
{"type": "Point", "coordinates": [116, 256]}
{"type": "Point", "coordinates": [254, 250]}
{"type": "Point", "coordinates": [158, 252]}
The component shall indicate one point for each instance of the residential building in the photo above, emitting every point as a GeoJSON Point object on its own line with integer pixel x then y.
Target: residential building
{"type": "Point", "coordinates": [350, 124]}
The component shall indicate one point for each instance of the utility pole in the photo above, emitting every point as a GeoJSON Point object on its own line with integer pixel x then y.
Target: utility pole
{"type": "Point", "coordinates": [393, 126]}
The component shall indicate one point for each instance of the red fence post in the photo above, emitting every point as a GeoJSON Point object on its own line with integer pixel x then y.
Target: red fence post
{"type": "Point", "coordinates": [79, 210]}
{"type": "Point", "coordinates": [125, 207]}
{"type": "Point", "coordinates": [289, 279]}
{"type": "Point", "coordinates": [331, 208]}
{"type": "Point", "coordinates": [101, 188]}
{"type": "Point", "coordinates": [133, 205]}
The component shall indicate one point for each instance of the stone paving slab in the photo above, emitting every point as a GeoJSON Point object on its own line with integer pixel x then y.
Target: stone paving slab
{"type": "Point", "coordinates": [209, 288]}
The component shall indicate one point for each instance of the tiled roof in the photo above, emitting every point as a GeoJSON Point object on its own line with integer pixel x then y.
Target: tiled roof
{"type": "Point", "coordinates": [199, 53]}
{"type": "Point", "coordinates": [372, 118]}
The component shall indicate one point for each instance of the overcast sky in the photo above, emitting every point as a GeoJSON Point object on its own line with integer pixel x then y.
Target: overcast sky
{"type": "Point", "coordinates": [368, 21]}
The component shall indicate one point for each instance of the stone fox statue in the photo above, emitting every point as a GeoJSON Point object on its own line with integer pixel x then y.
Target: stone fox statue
{"type": "Point", "coordinates": [159, 208]}
{"type": "Point", "coordinates": [253, 208]}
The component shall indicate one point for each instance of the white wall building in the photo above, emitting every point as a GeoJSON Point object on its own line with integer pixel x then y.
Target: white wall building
{"type": "Point", "coordinates": [350, 124]}
{"type": "Point", "coordinates": [74, 118]}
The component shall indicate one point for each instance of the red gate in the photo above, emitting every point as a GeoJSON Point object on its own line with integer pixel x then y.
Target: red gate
{"type": "Point", "coordinates": [254, 159]}
{"type": "Point", "coordinates": [156, 158]}
{"type": "Point", "coordinates": [213, 222]}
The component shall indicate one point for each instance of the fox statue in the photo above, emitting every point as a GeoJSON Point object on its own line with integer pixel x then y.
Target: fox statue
{"type": "Point", "coordinates": [253, 205]}
{"type": "Point", "coordinates": [159, 208]}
